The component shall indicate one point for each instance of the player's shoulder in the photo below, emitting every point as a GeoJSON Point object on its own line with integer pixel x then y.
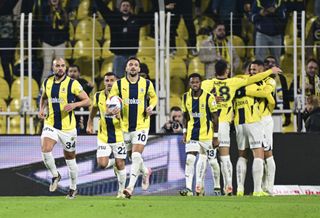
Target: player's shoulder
{"type": "Point", "coordinates": [270, 81]}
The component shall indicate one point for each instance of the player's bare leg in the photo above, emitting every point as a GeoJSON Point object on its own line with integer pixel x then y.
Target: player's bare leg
{"type": "Point", "coordinates": [121, 174]}
{"type": "Point", "coordinates": [241, 171]}
{"type": "Point", "coordinates": [137, 163]}
{"type": "Point", "coordinates": [226, 168]}
{"type": "Point", "coordinates": [70, 158]}
{"type": "Point", "coordinates": [47, 145]}
{"type": "Point", "coordinates": [257, 171]}
{"type": "Point", "coordinates": [105, 162]}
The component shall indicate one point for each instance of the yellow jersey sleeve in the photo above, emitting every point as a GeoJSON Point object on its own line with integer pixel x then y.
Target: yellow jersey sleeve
{"type": "Point", "coordinates": [95, 100]}
{"type": "Point", "coordinates": [76, 88]}
{"type": "Point", "coordinates": [207, 85]}
{"type": "Point", "coordinates": [153, 96]}
{"type": "Point", "coordinates": [213, 104]}
{"type": "Point", "coordinates": [256, 91]}
{"type": "Point", "coordinates": [258, 77]}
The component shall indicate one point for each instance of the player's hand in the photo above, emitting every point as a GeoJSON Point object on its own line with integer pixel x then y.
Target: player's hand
{"type": "Point", "coordinates": [42, 114]}
{"type": "Point", "coordinates": [215, 142]}
{"type": "Point", "coordinates": [184, 139]}
{"type": "Point", "coordinates": [89, 128]}
{"type": "Point", "coordinates": [149, 110]}
{"type": "Point", "coordinates": [170, 6]}
{"type": "Point", "coordinates": [219, 99]}
{"type": "Point", "coordinates": [276, 70]}
{"type": "Point", "coordinates": [69, 107]}
{"type": "Point", "coordinates": [90, 84]}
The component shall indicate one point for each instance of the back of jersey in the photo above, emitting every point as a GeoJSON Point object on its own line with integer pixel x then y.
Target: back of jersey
{"type": "Point", "coordinates": [225, 88]}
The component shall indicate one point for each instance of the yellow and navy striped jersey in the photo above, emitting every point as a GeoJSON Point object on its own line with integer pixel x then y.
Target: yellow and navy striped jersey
{"type": "Point", "coordinates": [109, 126]}
{"type": "Point", "coordinates": [227, 88]}
{"type": "Point", "coordinates": [59, 95]}
{"type": "Point", "coordinates": [136, 97]}
{"type": "Point", "coordinates": [199, 126]}
{"type": "Point", "coordinates": [246, 108]}
{"type": "Point", "coordinates": [267, 104]}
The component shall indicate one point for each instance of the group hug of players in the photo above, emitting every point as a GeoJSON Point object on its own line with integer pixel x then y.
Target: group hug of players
{"type": "Point", "coordinates": [209, 107]}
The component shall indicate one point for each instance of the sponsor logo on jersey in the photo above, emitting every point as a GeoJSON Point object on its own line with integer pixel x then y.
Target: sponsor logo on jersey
{"type": "Point", "coordinates": [196, 115]}
{"type": "Point", "coordinates": [47, 129]}
{"type": "Point", "coordinates": [131, 101]}
{"type": "Point", "coordinates": [56, 100]}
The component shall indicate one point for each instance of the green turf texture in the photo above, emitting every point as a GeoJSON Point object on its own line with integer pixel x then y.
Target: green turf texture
{"type": "Point", "coordinates": [160, 206]}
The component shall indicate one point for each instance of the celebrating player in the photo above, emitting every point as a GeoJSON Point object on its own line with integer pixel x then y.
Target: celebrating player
{"type": "Point", "coordinates": [139, 100]}
{"type": "Point", "coordinates": [110, 136]}
{"type": "Point", "coordinates": [58, 96]}
{"type": "Point", "coordinates": [224, 89]}
{"type": "Point", "coordinates": [200, 120]}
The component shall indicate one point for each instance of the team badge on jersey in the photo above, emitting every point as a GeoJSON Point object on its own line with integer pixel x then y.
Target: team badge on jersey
{"type": "Point", "coordinates": [63, 90]}
{"type": "Point", "coordinates": [142, 90]}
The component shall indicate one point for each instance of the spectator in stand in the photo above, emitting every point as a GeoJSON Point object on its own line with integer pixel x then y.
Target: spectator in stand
{"type": "Point", "coordinates": [53, 31]}
{"type": "Point", "coordinates": [269, 19]}
{"type": "Point", "coordinates": [124, 27]}
{"type": "Point", "coordinates": [312, 115]}
{"type": "Point", "coordinates": [313, 39]}
{"type": "Point", "coordinates": [174, 125]}
{"type": "Point", "coordinates": [282, 92]}
{"type": "Point", "coordinates": [136, 4]}
{"type": "Point", "coordinates": [7, 36]}
{"type": "Point", "coordinates": [312, 80]}
{"type": "Point", "coordinates": [178, 9]}
{"type": "Point", "coordinates": [217, 47]}
{"type": "Point", "coordinates": [81, 120]}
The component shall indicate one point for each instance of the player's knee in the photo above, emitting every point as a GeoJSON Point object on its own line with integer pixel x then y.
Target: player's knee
{"type": "Point", "coordinates": [190, 159]}
{"type": "Point", "coordinates": [120, 164]}
{"type": "Point", "coordinates": [102, 162]}
{"type": "Point", "coordinates": [69, 155]}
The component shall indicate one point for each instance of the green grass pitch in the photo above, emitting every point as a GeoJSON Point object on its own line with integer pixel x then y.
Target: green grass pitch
{"type": "Point", "coordinates": [160, 206]}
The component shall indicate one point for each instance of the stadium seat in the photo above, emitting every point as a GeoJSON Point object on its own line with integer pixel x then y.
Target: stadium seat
{"type": "Point", "coordinates": [83, 9]}
{"type": "Point", "coordinates": [85, 66]}
{"type": "Point", "coordinates": [288, 43]}
{"type": "Point", "coordinates": [83, 49]}
{"type": "Point", "coordinates": [1, 70]}
{"type": "Point", "coordinates": [71, 31]}
{"type": "Point", "coordinates": [203, 22]}
{"type": "Point", "coordinates": [175, 100]}
{"type": "Point", "coordinates": [150, 62]}
{"type": "Point", "coordinates": [3, 120]}
{"type": "Point", "coordinates": [178, 67]}
{"type": "Point", "coordinates": [15, 105]}
{"type": "Point", "coordinates": [237, 41]}
{"type": "Point", "coordinates": [84, 30]}
{"type": "Point", "coordinates": [15, 88]}
{"type": "Point", "coordinates": [106, 32]}
{"type": "Point", "coordinates": [182, 47]}
{"type": "Point", "coordinates": [182, 30]}
{"type": "Point", "coordinates": [106, 53]}
{"type": "Point", "coordinates": [196, 66]}
{"type": "Point", "coordinates": [147, 46]}
{"type": "Point", "coordinates": [177, 86]}
{"type": "Point", "coordinates": [106, 67]}
{"type": "Point", "coordinates": [5, 91]}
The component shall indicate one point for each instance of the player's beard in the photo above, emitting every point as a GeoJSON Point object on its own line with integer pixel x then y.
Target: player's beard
{"type": "Point", "coordinates": [133, 73]}
{"type": "Point", "coordinates": [59, 75]}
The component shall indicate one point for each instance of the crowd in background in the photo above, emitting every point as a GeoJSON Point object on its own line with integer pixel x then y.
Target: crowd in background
{"type": "Point", "coordinates": [263, 23]}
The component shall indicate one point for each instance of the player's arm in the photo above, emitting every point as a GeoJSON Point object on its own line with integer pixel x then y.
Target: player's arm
{"type": "Point", "coordinates": [255, 91]}
{"type": "Point", "coordinates": [260, 76]}
{"type": "Point", "coordinates": [77, 90]}
{"type": "Point", "coordinates": [185, 117]}
{"type": "Point", "coordinates": [92, 114]}
{"type": "Point", "coordinates": [43, 103]}
{"type": "Point", "coordinates": [215, 121]}
{"type": "Point", "coordinates": [270, 89]}
{"type": "Point", "coordinates": [153, 99]}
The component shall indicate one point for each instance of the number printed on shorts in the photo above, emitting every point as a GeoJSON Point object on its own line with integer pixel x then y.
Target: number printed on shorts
{"type": "Point", "coordinates": [211, 153]}
{"type": "Point", "coordinates": [225, 92]}
{"type": "Point", "coordinates": [70, 145]}
{"type": "Point", "coordinates": [122, 150]}
{"type": "Point", "coordinates": [141, 137]}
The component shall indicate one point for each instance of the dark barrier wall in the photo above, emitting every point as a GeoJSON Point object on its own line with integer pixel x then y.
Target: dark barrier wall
{"type": "Point", "coordinates": [297, 157]}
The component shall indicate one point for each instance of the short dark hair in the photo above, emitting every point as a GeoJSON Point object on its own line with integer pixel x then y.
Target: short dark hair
{"type": "Point", "coordinates": [270, 56]}
{"type": "Point", "coordinates": [74, 66]}
{"type": "Point", "coordinates": [175, 108]}
{"type": "Point", "coordinates": [133, 58]}
{"type": "Point", "coordinates": [220, 67]}
{"type": "Point", "coordinates": [218, 23]}
{"type": "Point", "coordinates": [312, 60]}
{"type": "Point", "coordinates": [257, 62]}
{"type": "Point", "coordinates": [126, 1]}
{"type": "Point", "coordinates": [109, 74]}
{"type": "Point", "coordinates": [195, 75]}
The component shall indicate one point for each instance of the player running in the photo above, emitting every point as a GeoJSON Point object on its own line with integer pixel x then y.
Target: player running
{"type": "Point", "coordinates": [58, 96]}
{"type": "Point", "coordinates": [110, 136]}
{"type": "Point", "coordinates": [139, 100]}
